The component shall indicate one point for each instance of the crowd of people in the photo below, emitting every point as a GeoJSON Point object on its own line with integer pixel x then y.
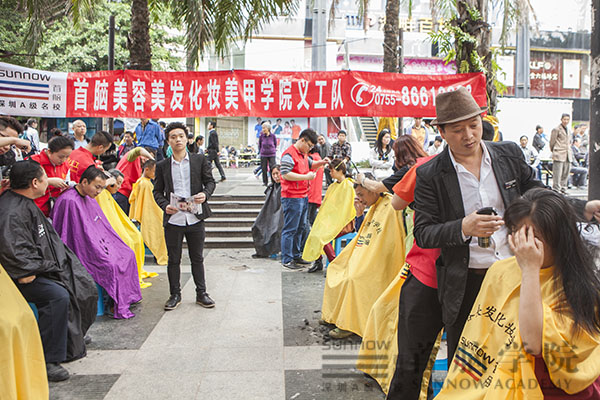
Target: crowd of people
{"type": "Point", "coordinates": [74, 230]}
{"type": "Point", "coordinates": [456, 234]}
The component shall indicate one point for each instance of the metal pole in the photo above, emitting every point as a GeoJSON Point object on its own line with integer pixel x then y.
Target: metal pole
{"type": "Point", "coordinates": [523, 56]}
{"type": "Point", "coordinates": [319, 53]}
{"type": "Point", "coordinates": [594, 147]}
{"type": "Point", "coordinates": [111, 62]}
{"type": "Point", "coordinates": [400, 70]}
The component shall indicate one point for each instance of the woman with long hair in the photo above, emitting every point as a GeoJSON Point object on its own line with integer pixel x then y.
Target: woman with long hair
{"type": "Point", "coordinates": [382, 156]}
{"type": "Point", "coordinates": [406, 152]}
{"type": "Point", "coordinates": [537, 315]}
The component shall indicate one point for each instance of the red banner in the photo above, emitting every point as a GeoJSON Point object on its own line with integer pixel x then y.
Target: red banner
{"type": "Point", "coordinates": [258, 93]}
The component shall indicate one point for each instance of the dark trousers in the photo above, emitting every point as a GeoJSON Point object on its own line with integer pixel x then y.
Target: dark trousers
{"type": "Point", "coordinates": [453, 332]}
{"type": "Point", "coordinates": [52, 302]}
{"type": "Point", "coordinates": [328, 178]}
{"type": "Point", "coordinates": [194, 236]}
{"type": "Point", "coordinates": [264, 161]}
{"type": "Point", "coordinates": [293, 233]}
{"type": "Point", "coordinates": [419, 322]}
{"type": "Point", "coordinates": [213, 157]}
{"type": "Point", "coordinates": [122, 201]}
{"type": "Point", "coordinates": [313, 208]}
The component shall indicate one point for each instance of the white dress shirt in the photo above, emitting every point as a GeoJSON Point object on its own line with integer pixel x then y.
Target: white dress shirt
{"type": "Point", "coordinates": [477, 194]}
{"type": "Point", "coordinates": [180, 171]}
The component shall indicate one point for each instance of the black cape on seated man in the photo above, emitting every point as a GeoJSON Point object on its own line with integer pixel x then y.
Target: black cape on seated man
{"type": "Point", "coordinates": [31, 247]}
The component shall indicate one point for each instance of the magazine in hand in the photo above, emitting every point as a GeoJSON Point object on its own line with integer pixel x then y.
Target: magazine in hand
{"type": "Point", "coordinates": [185, 204]}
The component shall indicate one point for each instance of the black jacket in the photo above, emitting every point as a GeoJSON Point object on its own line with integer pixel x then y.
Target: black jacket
{"type": "Point", "coordinates": [213, 142]}
{"type": "Point", "coordinates": [439, 212]}
{"type": "Point", "coordinates": [538, 142]}
{"type": "Point", "coordinates": [31, 246]}
{"type": "Point", "coordinates": [201, 180]}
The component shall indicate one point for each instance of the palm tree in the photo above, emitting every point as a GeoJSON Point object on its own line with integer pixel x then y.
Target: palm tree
{"type": "Point", "coordinates": [467, 37]}
{"type": "Point", "coordinates": [208, 23]}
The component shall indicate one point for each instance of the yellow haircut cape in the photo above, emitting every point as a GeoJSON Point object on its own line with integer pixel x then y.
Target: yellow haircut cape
{"type": "Point", "coordinates": [365, 268]}
{"type": "Point", "coordinates": [23, 374]}
{"type": "Point", "coordinates": [490, 361]}
{"type": "Point", "coordinates": [379, 347]}
{"type": "Point", "coordinates": [334, 214]}
{"type": "Point", "coordinates": [150, 216]}
{"type": "Point", "coordinates": [127, 231]}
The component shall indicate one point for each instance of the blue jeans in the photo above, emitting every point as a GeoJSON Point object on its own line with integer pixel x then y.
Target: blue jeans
{"type": "Point", "coordinates": [293, 234]}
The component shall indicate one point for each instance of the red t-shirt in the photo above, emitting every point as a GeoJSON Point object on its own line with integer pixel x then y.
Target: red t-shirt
{"type": "Point", "coordinates": [53, 171]}
{"type": "Point", "coordinates": [78, 162]}
{"type": "Point", "coordinates": [315, 187]}
{"type": "Point", "coordinates": [131, 173]}
{"type": "Point", "coordinates": [421, 261]}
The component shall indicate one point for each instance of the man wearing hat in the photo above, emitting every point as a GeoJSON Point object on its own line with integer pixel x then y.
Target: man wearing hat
{"type": "Point", "coordinates": [468, 175]}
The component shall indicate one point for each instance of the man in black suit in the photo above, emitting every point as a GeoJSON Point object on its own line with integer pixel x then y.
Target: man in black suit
{"type": "Point", "coordinates": [468, 175]}
{"type": "Point", "coordinates": [184, 175]}
{"type": "Point", "coordinates": [212, 149]}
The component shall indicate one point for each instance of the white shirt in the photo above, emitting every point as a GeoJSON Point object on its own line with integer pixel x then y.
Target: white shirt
{"type": "Point", "coordinates": [35, 137]}
{"type": "Point", "coordinates": [477, 194]}
{"type": "Point", "coordinates": [180, 172]}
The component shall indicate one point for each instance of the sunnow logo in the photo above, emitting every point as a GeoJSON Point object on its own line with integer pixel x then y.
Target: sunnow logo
{"type": "Point", "coordinates": [34, 76]}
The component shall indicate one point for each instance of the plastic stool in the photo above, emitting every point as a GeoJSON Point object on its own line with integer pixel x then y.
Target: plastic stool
{"type": "Point", "coordinates": [441, 366]}
{"type": "Point", "coordinates": [337, 244]}
{"type": "Point", "coordinates": [100, 300]}
{"type": "Point", "coordinates": [35, 310]}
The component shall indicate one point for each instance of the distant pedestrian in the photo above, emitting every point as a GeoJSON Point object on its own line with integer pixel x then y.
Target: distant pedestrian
{"type": "Point", "coordinates": [382, 156]}
{"type": "Point", "coordinates": [213, 148]}
{"type": "Point", "coordinates": [267, 147]}
{"type": "Point", "coordinates": [150, 135]}
{"type": "Point", "coordinates": [562, 155]}
{"type": "Point", "coordinates": [419, 131]}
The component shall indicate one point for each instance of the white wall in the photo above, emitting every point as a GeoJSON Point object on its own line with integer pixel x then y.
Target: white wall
{"type": "Point", "coordinates": [520, 116]}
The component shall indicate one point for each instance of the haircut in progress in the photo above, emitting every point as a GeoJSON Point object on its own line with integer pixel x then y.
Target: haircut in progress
{"type": "Point", "coordinates": [554, 220]}
{"type": "Point", "coordinates": [101, 138]}
{"type": "Point", "coordinates": [91, 173]}
{"type": "Point", "coordinates": [309, 135]}
{"type": "Point", "coordinates": [23, 172]}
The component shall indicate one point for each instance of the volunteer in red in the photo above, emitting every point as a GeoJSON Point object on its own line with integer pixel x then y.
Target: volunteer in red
{"type": "Point", "coordinates": [53, 160]}
{"type": "Point", "coordinates": [83, 157]}
{"type": "Point", "coordinates": [296, 171]}
{"type": "Point", "coordinates": [131, 168]}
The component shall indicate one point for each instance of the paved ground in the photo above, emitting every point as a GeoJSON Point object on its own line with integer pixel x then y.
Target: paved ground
{"type": "Point", "coordinates": [262, 341]}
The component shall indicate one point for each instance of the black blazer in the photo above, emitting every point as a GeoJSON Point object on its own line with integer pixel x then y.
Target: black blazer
{"type": "Point", "coordinates": [201, 180]}
{"type": "Point", "coordinates": [439, 212]}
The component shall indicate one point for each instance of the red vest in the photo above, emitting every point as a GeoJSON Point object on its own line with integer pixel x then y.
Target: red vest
{"type": "Point", "coordinates": [131, 172]}
{"type": "Point", "coordinates": [78, 162]}
{"type": "Point", "coordinates": [53, 171]}
{"type": "Point", "coordinates": [295, 189]}
{"type": "Point", "coordinates": [315, 191]}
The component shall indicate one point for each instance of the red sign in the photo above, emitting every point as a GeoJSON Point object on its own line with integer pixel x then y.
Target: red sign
{"type": "Point", "coordinates": [148, 94]}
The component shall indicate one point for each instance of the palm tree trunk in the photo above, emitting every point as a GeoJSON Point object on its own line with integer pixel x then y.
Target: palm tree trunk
{"type": "Point", "coordinates": [481, 30]}
{"type": "Point", "coordinates": [140, 54]}
{"type": "Point", "coordinates": [390, 38]}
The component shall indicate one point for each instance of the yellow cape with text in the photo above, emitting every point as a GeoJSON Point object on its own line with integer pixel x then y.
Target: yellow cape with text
{"type": "Point", "coordinates": [365, 268]}
{"type": "Point", "coordinates": [379, 347]}
{"type": "Point", "coordinates": [334, 214]}
{"type": "Point", "coordinates": [490, 361]}
{"type": "Point", "coordinates": [150, 216]}
{"type": "Point", "coordinates": [126, 231]}
{"type": "Point", "coordinates": [23, 374]}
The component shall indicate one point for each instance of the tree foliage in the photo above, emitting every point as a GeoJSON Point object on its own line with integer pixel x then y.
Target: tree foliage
{"type": "Point", "coordinates": [84, 47]}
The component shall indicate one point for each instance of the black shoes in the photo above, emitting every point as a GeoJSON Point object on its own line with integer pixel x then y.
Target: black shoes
{"type": "Point", "coordinates": [223, 179]}
{"type": "Point", "coordinates": [56, 373]}
{"type": "Point", "coordinates": [204, 300]}
{"type": "Point", "coordinates": [173, 302]}
{"type": "Point", "coordinates": [292, 266]}
{"type": "Point", "coordinates": [87, 339]}
{"type": "Point", "coordinates": [301, 261]}
{"type": "Point", "coordinates": [317, 266]}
